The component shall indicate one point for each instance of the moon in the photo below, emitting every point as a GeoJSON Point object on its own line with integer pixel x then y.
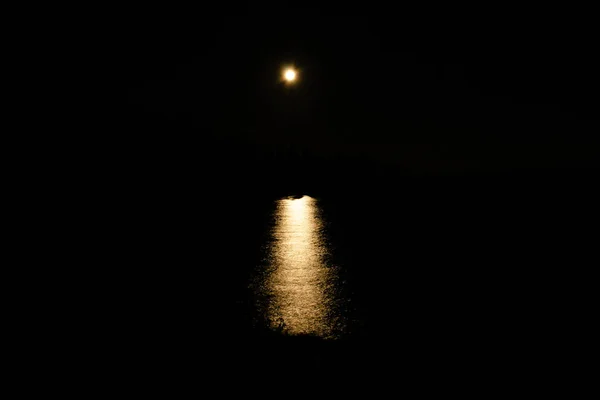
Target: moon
{"type": "Point", "coordinates": [290, 75]}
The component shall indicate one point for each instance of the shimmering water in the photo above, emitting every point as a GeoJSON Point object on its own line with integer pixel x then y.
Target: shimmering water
{"type": "Point", "coordinates": [298, 287]}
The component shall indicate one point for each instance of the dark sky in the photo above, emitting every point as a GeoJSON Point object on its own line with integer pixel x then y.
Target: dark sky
{"type": "Point", "coordinates": [461, 88]}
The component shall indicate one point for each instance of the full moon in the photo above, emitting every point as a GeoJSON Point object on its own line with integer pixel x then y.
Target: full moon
{"type": "Point", "coordinates": [290, 75]}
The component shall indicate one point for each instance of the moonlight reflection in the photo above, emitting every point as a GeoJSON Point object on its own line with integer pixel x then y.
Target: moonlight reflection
{"type": "Point", "coordinates": [299, 286]}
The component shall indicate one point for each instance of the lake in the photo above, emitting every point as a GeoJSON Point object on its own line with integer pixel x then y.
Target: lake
{"type": "Point", "coordinates": [426, 271]}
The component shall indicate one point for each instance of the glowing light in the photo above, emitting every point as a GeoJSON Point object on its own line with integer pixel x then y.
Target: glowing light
{"type": "Point", "coordinates": [300, 283]}
{"type": "Point", "coordinates": [290, 75]}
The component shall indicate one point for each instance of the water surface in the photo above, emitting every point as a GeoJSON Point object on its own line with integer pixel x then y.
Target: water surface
{"type": "Point", "coordinates": [299, 286]}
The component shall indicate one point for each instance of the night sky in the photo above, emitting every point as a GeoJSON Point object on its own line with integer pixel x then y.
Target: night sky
{"type": "Point", "coordinates": [474, 90]}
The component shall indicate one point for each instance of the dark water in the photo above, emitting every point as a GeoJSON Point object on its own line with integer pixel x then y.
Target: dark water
{"type": "Point", "coordinates": [469, 269]}
{"type": "Point", "coordinates": [433, 275]}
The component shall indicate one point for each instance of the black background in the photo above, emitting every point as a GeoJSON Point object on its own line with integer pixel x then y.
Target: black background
{"type": "Point", "coordinates": [480, 124]}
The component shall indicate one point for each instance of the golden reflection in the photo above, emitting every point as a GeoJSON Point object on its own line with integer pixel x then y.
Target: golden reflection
{"type": "Point", "coordinates": [299, 281]}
